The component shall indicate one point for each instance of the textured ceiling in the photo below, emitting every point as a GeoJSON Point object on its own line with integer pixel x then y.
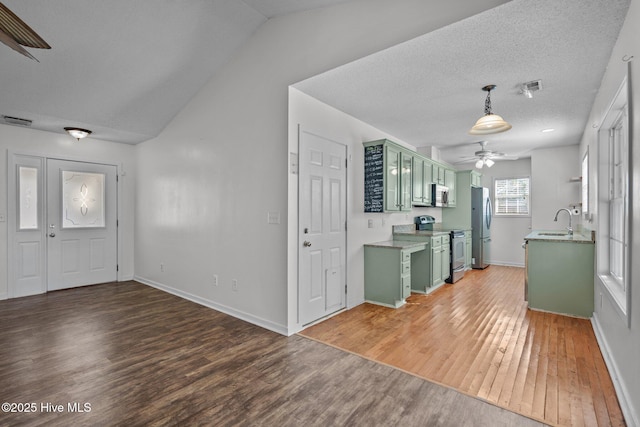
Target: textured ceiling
{"type": "Point", "coordinates": [427, 91]}
{"type": "Point", "coordinates": [271, 8]}
{"type": "Point", "coordinates": [125, 68]}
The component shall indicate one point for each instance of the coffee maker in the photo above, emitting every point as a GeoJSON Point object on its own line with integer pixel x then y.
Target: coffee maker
{"type": "Point", "coordinates": [424, 222]}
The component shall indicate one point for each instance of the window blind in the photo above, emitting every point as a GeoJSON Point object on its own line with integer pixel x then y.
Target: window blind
{"type": "Point", "coordinates": [511, 196]}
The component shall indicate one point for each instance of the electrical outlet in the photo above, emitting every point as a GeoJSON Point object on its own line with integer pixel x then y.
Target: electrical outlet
{"type": "Point", "coordinates": [2, 217]}
{"type": "Point", "coordinates": [370, 223]}
{"type": "Point", "coordinates": [161, 267]}
{"type": "Point", "coordinates": [234, 285]}
{"type": "Point", "coordinates": [215, 280]}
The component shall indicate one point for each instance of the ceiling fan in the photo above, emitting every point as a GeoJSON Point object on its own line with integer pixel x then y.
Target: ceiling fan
{"type": "Point", "coordinates": [485, 156]}
{"type": "Point", "coordinates": [15, 33]}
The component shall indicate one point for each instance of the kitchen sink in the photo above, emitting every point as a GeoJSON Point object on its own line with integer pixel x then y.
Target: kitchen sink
{"type": "Point", "coordinates": [552, 234]}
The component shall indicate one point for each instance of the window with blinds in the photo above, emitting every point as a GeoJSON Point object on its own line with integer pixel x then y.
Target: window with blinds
{"type": "Point", "coordinates": [511, 196]}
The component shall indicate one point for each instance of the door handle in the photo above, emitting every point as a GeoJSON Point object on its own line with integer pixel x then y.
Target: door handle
{"type": "Point", "coordinates": [306, 244]}
{"type": "Point", "coordinates": [52, 234]}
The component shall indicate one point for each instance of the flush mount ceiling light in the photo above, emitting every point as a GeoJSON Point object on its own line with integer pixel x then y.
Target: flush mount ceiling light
{"type": "Point", "coordinates": [489, 123]}
{"type": "Point", "coordinates": [78, 133]}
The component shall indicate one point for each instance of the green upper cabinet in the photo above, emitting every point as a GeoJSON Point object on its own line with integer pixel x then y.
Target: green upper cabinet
{"type": "Point", "coordinates": [450, 182]}
{"type": "Point", "coordinates": [438, 174]}
{"type": "Point", "coordinates": [387, 177]}
{"type": "Point", "coordinates": [396, 178]}
{"type": "Point", "coordinates": [460, 215]}
{"type": "Point", "coordinates": [422, 180]}
{"type": "Point", "coordinates": [476, 179]}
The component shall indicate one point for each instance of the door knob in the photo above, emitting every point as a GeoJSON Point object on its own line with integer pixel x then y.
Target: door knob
{"type": "Point", "coordinates": [52, 234]}
{"type": "Point", "coordinates": [306, 244]}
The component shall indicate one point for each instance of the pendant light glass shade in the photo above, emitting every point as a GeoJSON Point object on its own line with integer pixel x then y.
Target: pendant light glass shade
{"type": "Point", "coordinates": [489, 123]}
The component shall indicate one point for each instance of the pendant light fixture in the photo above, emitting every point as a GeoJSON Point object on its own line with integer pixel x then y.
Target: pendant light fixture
{"type": "Point", "coordinates": [78, 133]}
{"type": "Point", "coordinates": [489, 123]}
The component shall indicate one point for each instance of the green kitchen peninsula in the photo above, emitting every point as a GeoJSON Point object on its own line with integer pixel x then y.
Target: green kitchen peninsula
{"type": "Point", "coordinates": [559, 272]}
{"type": "Point", "coordinates": [392, 268]}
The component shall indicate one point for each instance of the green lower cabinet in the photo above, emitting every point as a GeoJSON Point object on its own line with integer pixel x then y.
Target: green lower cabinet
{"type": "Point", "coordinates": [389, 275]}
{"type": "Point", "coordinates": [436, 272]}
{"type": "Point", "coordinates": [467, 250]}
{"type": "Point", "coordinates": [560, 277]}
{"type": "Point", "coordinates": [440, 260]}
{"type": "Point", "coordinates": [429, 269]}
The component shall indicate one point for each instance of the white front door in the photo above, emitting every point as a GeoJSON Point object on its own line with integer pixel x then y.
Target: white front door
{"type": "Point", "coordinates": [81, 226]}
{"type": "Point", "coordinates": [322, 227]}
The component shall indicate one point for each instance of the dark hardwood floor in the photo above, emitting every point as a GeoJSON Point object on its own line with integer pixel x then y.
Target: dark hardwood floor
{"type": "Point", "coordinates": [477, 336]}
{"type": "Point", "coordinates": [142, 357]}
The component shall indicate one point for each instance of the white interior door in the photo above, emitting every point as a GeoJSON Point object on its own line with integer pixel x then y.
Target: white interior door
{"type": "Point", "coordinates": [322, 227]}
{"type": "Point", "coordinates": [81, 226]}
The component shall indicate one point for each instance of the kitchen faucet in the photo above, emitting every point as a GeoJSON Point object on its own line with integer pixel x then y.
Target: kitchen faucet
{"type": "Point", "coordinates": [569, 212]}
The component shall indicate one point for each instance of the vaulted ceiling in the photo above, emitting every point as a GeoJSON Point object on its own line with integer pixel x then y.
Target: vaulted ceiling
{"type": "Point", "coordinates": [125, 68]}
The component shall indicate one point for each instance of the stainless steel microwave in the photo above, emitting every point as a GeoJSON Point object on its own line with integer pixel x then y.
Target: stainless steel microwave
{"type": "Point", "coordinates": [439, 196]}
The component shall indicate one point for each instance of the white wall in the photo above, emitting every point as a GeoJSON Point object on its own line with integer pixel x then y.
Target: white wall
{"type": "Point", "coordinates": [619, 340]}
{"type": "Point", "coordinates": [507, 233]}
{"type": "Point", "coordinates": [551, 186]}
{"type": "Point", "coordinates": [48, 144]}
{"type": "Point", "coordinates": [322, 119]}
{"type": "Point", "coordinates": [208, 181]}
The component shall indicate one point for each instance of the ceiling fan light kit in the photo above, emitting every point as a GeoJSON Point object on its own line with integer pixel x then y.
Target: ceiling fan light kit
{"type": "Point", "coordinates": [483, 162]}
{"type": "Point", "coordinates": [78, 133]}
{"type": "Point", "coordinates": [489, 123]}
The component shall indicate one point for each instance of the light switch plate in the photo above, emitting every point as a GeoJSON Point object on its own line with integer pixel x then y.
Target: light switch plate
{"type": "Point", "coordinates": [273, 218]}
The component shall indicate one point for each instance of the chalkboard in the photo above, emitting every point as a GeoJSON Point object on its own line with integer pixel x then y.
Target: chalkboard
{"type": "Point", "coordinates": [374, 178]}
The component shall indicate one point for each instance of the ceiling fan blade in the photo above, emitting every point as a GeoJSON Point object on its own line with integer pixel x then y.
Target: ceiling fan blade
{"type": "Point", "coordinates": [492, 155]}
{"type": "Point", "coordinates": [15, 28]}
{"type": "Point", "coordinates": [4, 38]}
{"type": "Point", "coordinates": [469, 160]}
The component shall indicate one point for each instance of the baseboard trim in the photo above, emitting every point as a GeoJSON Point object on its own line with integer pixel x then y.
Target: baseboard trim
{"type": "Point", "coordinates": [506, 264]}
{"type": "Point", "coordinates": [631, 418]}
{"type": "Point", "coordinates": [263, 323]}
{"type": "Point", "coordinates": [3, 296]}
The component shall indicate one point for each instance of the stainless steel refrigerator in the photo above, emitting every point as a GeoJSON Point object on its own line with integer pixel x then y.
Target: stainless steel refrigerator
{"type": "Point", "coordinates": [481, 213]}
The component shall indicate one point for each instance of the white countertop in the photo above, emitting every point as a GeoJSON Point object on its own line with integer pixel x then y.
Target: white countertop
{"type": "Point", "coordinates": [558, 236]}
{"type": "Point", "coordinates": [396, 244]}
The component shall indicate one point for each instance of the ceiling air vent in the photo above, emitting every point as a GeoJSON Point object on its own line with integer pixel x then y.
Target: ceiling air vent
{"type": "Point", "coordinates": [17, 121]}
{"type": "Point", "coordinates": [527, 89]}
{"type": "Point", "coordinates": [533, 86]}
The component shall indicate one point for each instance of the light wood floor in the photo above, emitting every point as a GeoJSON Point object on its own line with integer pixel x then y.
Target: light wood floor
{"type": "Point", "coordinates": [142, 357]}
{"type": "Point", "coordinates": [478, 337]}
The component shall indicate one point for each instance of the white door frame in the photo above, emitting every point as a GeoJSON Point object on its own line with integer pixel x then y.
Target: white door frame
{"type": "Point", "coordinates": [12, 224]}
